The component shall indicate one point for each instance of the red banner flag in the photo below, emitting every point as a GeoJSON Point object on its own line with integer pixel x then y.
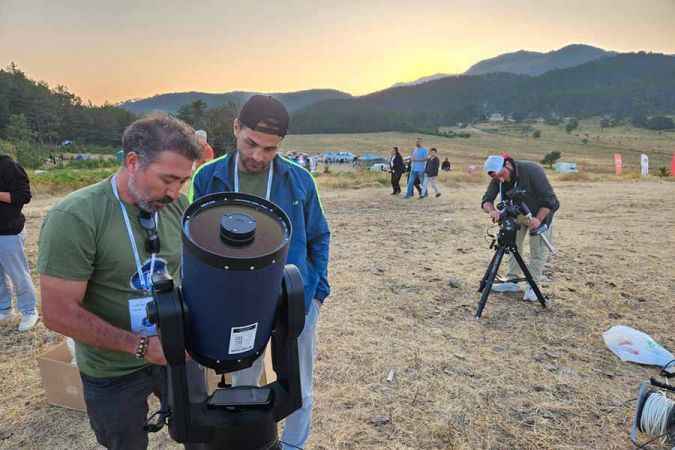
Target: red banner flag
{"type": "Point", "coordinates": [618, 164]}
{"type": "Point", "coordinates": [672, 166]}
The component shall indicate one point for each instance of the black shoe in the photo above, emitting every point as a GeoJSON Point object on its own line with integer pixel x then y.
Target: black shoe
{"type": "Point", "coordinates": [438, 194]}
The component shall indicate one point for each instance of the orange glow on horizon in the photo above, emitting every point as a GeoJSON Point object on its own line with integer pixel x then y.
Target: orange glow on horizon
{"type": "Point", "coordinates": [107, 52]}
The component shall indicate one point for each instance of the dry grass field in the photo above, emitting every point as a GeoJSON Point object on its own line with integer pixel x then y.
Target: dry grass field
{"type": "Point", "coordinates": [520, 378]}
{"type": "Point", "coordinates": [595, 156]}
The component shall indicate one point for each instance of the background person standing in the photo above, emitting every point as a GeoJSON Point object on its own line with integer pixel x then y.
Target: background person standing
{"type": "Point", "coordinates": [257, 168]}
{"type": "Point", "coordinates": [14, 193]}
{"type": "Point", "coordinates": [418, 161]}
{"type": "Point", "coordinates": [396, 167]}
{"type": "Point", "coordinates": [430, 174]}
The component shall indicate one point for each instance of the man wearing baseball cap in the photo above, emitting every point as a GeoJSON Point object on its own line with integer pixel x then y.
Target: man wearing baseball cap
{"type": "Point", "coordinates": [539, 197]}
{"type": "Point", "coordinates": [256, 168]}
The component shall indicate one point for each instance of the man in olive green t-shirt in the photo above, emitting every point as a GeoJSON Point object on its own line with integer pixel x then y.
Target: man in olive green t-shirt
{"type": "Point", "coordinates": [96, 262]}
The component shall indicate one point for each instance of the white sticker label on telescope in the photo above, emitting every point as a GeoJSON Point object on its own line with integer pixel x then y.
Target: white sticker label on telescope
{"type": "Point", "coordinates": [242, 339]}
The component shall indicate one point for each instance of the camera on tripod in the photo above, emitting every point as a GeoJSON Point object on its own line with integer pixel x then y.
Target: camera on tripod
{"type": "Point", "coordinates": [511, 208]}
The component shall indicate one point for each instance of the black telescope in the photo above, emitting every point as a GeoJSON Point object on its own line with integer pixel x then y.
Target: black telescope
{"type": "Point", "coordinates": [237, 293]}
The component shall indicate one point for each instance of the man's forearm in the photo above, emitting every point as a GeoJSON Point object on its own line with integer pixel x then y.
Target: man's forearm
{"type": "Point", "coordinates": [542, 213]}
{"type": "Point", "coordinates": [5, 197]}
{"type": "Point", "coordinates": [488, 207]}
{"type": "Point", "coordinates": [83, 326]}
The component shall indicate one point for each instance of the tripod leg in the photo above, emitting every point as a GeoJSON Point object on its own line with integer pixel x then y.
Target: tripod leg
{"type": "Point", "coordinates": [528, 276]}
{"type": "Point", "coordinates": [491, 274]}
{"type": "Point", "coordinates": [487, 272]}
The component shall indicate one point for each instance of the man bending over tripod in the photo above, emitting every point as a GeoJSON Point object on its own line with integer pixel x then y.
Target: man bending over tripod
{"type": "Point", "coordinates": [508, 175]}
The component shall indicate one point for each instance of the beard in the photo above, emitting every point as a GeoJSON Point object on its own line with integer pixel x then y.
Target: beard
{"type": "Point", "coordinates": [251, 166]}
{"type": "Point", "coordinates": [142, 200]}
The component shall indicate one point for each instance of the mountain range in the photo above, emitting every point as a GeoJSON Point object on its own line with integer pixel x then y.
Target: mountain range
{"type": "Point", "coordinates": [536, 63]}
{"type": "Point", "coordinates": [621, 85]}
{"type": "Point", "coordinates": [520, 62]}
{"type": "Point", "coordinates": [575, 80]}
{"type": "Point", "coordinates": [172, 102]}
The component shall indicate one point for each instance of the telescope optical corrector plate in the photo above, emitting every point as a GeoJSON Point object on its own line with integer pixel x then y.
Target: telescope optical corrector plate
{"type": "Point", "coordinates": [202, 231]}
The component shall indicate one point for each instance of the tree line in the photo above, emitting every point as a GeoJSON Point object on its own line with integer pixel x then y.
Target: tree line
{"type": "Point", "coordinates": [37, 121]}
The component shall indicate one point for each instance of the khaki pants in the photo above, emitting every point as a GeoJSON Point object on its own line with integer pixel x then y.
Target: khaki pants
{"type": "Point", "coordinates": [538, 254]}
{"type": "Point", "coordinates": [429, 181]}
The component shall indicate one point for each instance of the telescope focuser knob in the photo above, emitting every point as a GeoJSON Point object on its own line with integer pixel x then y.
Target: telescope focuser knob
{"type": "Point", "coordinates": [237, 229]}
{"type": "Point", "coordinates": [162, 282]}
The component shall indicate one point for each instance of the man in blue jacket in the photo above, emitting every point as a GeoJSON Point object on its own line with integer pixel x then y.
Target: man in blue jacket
{"type": "Point", "coordinates": [255, 168]}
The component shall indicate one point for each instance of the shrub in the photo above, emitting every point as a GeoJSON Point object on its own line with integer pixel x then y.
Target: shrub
{"type": "Point", "coordinates": [571, 124]}
{"type": "Point", "coordinates": [550, 158]}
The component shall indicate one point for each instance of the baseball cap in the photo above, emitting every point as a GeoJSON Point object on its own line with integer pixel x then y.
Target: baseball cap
{"type": "Point", "coordinates": [265, 114]}
{"type": "Point", "coordinates": [494, 163]}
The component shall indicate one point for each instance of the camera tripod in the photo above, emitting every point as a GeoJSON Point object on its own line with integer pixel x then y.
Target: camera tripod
{"type": "Point", "coordinates": [505, 243]}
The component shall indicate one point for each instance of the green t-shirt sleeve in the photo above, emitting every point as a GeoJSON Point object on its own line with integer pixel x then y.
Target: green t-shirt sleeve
{"type": "Point", "coordinates": [67, 247]}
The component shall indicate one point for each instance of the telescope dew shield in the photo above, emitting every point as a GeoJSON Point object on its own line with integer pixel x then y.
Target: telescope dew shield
{"type": "Point", "coordinates": [234, 251]}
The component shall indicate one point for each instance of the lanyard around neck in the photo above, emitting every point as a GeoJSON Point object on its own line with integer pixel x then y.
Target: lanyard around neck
{"type": "Point", "coordinates": [132, 239]}
{"type": "Point", "coordinates": [270, 174]}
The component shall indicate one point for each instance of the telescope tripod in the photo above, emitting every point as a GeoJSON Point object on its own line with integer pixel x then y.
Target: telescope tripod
{"type": "Point", "coordinates": [505, 244]}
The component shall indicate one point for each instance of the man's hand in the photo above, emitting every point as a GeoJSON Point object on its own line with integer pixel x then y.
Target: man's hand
{"type": "Point", "coordinates": [494, 215]}
{"type": "Point", "coordinates": [155, 354]}
{"type": "Point", "coordinates": [534, 223]}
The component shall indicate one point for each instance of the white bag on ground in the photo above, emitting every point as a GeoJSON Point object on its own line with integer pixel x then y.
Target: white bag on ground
{"type": "Point", "coordinates": [635, 346]}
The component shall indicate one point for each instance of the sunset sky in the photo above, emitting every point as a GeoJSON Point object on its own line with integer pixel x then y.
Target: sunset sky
{"type": "Point", "coordinates": [117, 50]}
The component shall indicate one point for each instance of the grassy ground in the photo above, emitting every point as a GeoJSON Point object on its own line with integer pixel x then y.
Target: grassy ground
{"type": "Point", "coordinates": [595, 156]}
{"type": "Point", "coordinates": [521, 378]}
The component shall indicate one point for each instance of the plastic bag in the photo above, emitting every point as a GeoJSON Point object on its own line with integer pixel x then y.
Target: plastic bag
{"type": "Point", "coordinates": [635, 346]}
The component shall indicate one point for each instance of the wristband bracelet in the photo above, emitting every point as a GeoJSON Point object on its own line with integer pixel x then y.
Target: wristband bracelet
{"type": "Point", "coordinates": [142, 347]}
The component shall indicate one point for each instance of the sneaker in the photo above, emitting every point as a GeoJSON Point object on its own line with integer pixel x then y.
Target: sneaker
{"type": "Point", "coordinates": [28, 321]}
{"type": "Point", "coordinates": [505, 287]}
{"type": "Point", "coordinates": [423, 196]}
{"type": "Point", "coordinates": [530, 295]}
{"type": "Point", "coordinates": [438, 194]}
{"type": "Point", "coordinates": [6, 315]}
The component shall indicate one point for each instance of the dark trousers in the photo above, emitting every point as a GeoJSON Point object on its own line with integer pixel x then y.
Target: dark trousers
{"type": "Point", "coordinates": [118, 406]}
{"type": "Point", "coordinates": [395, 182]}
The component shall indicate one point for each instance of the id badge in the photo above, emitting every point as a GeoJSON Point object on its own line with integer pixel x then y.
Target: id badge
{"type": "Point", "coordinates": [139, 317]}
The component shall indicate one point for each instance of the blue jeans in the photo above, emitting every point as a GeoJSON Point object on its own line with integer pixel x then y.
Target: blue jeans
{"type": "Point", "coordinates": [298, 424]}
{"type": "Point", "coordinates": [14, 267]}
{"type": "Point", "coordinates": [411, 181]}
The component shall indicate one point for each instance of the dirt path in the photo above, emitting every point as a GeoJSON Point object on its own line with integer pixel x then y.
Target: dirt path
{"type": "Point", "coordinates": [522, 377]}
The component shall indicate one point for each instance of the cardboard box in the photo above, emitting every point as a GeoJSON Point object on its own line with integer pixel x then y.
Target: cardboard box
{"type": "Point", "coordinates": [63, 385]}
{"type": "Point", "coordinates": [60, 379]}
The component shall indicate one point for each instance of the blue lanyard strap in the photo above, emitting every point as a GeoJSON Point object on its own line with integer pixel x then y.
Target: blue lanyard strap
{"type": "Point", "coordinates": [270, 174]}
{"type": "Point", "coordinates": [132, 239]}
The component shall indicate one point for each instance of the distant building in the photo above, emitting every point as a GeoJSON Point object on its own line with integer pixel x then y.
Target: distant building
{"type": "Point", "coordinates": [496, 117]}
